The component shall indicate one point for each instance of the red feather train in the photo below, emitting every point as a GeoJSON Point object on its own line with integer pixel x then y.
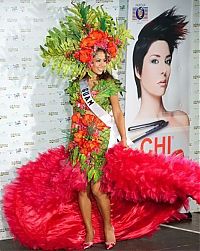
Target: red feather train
{"type": "Point", "coordinates": [146, 190]}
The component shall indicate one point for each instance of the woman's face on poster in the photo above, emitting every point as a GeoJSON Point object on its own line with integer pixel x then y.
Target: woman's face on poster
{"type": "Point", "coordinates": [156, 69]}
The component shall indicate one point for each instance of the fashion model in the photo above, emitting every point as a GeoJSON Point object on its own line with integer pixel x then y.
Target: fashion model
{"type": "Point", "coordinates": [94, 189]}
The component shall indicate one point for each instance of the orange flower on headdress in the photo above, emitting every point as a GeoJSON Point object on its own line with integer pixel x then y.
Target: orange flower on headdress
{"type": "Point", "coordinates": [98, 35]}
{"type": "Point", "coordinates": [84, 55]}
{"type": "Point", "coordinates": [87, 42]}
{"type": "Point", "coordinates": [112, 49]}
{"type": "Point", "coordinates": [93, 37]}
{"type": "Point", "coordinates": [96, 39]}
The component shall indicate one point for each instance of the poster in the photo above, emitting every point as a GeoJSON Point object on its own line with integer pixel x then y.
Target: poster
{"type": "Point", "coordinates": [158, 76]}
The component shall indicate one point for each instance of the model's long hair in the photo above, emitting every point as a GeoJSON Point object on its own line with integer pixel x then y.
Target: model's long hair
{"type": "Point", "coordinates": [167, 27]}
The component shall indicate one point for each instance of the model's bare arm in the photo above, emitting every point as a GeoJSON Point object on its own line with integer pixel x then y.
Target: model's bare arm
{"type": "Point", "coordinates": [119, 118]}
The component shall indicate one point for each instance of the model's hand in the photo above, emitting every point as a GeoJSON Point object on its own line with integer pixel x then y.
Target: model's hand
{"type": "Point", "coordinates": [124, 142]}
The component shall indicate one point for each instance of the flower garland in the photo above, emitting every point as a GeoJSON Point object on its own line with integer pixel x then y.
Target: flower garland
{"type": "Point", "coordinates": [96, 39]}
{"type": "Point", "coordinates": [70, 49]}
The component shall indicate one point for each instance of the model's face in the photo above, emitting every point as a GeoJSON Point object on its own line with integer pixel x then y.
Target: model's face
{"type": "Point", "coordinates": [99, 63]}
{"type": "Point", "coordinates": [156, 69]}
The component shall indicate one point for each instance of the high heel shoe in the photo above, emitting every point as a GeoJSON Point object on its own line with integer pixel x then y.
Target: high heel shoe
{"type": "Point", "coordinates": [110, 245]}
{"type": "Point", "coordinates": [87, 245]}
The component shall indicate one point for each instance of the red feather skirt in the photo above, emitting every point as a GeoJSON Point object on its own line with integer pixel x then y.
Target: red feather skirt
{"type": "Point", "coordinates": [146, 190]}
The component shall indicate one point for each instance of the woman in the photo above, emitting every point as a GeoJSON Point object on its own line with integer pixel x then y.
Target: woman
{"type": "Point", "coordinates": [152, 58]}
{"type": "Point", "coordinates": [98, 45]}
{"type": "Point", "coordinates": [86, 138]}
{"type": "Point", "coordinates": [49, 204]}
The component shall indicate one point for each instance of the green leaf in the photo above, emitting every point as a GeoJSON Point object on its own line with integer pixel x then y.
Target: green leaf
{"type": "Point", "coordinates": [90, 174]}
{"type": "Point", "coordinates": [75, 155]}
{"type": "Point", "coordinates": [82, 158]}
{"type": "Point", "coordinates": [97, 176]}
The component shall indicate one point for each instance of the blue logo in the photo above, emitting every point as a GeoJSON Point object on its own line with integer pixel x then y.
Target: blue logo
{"type": "Point", "coordinates": [140, 13]}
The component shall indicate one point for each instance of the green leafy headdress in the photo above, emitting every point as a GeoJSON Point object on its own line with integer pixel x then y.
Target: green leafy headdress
{"type": "Point", "coordinates": [69, 50]}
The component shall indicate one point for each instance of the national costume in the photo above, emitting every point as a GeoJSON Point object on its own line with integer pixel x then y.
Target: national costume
{"type": "Point", "coordinates": [146, 190]}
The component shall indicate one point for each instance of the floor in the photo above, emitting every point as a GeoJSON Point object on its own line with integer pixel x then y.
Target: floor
{"type": "Point", "coordinates": [179, 236]}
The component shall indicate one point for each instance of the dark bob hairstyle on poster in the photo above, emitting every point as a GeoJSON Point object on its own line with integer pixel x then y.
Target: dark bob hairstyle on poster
{"type": "Point", "coordinates": [168, 27]}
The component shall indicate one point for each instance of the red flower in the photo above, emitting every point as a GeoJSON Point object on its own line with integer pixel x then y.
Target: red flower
{"type": "Point", "coordinates": [96, 38]}
{"type": "Point", "coordinates": [84, 151]}
{"type": "Point", "coordinates": [98, 35]}
{"type": "Point", "coordinates": [76, 117]}
{"type": "Point", "coordinates": [79, 136]}
{"type": "Point", "coordinates": [84, 55]}
{"type": "Point", "coordinates": [118, 42]}
{"type": "Point", "coordinates": [87, 42]}
{"type": "Point", "coordinates": [87, 119]}
{"type": "Point", "coordinates": [112, 49]}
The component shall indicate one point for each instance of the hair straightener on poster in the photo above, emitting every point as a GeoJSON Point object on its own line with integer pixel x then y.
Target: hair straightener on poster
{"type": "Point", "coordinates": [156, 126]}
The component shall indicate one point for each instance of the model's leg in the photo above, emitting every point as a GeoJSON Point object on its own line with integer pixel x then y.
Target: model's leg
{"type": "Point", "coordinates": [85, 207]}
{"type": "Point", "coordinates": [103, 202]}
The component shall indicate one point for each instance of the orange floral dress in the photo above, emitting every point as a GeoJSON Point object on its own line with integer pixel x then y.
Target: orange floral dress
{"type": "Point", "coordinates": [89, 136]}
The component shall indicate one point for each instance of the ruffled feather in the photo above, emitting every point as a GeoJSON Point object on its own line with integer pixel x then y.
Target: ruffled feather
{"type": "Point", "coordinates": [41, 204]}
{"type": "Point", "coordinates": [138, 176]}
{"type": "Point", "coordinates": [38, 202]}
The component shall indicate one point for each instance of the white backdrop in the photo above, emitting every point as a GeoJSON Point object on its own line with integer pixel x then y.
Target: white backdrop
{"type": "Point", "coordinates": [33, 108]}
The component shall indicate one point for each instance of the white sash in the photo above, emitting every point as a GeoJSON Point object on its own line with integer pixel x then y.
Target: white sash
{"type": "Point", "coordinates": [101, 114]}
